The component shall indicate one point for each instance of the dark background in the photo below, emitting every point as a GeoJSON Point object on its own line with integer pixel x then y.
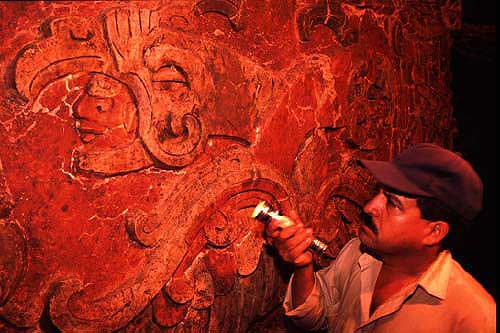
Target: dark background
{"type": "Point", "coordinates": [474, 100]}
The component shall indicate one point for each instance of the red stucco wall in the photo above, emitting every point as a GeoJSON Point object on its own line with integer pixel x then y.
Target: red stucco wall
{"type": "Point", "coordinates": [137, 137]}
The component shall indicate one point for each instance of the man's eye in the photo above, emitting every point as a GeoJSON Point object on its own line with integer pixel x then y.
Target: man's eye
{"type": "Point", "coordinates": [393, 204]}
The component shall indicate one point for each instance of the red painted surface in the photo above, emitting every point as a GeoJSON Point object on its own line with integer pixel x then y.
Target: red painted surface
{"type": "Point", "coordinates": [137, 138]}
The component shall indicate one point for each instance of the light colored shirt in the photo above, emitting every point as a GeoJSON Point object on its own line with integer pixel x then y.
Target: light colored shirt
{"type": "Point", "coordinates": [446, 299]}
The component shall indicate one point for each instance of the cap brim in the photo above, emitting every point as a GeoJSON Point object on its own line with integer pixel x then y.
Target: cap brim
{"type": "Point", "coordinates": [391, 176]}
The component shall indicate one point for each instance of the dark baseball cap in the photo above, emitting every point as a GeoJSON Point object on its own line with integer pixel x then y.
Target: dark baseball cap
{"type": "Point", "coordinates": [431, 171]}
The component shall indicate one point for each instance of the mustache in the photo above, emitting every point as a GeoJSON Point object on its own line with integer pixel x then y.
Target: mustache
{"type": "Point", "coordinates": [367, 220]}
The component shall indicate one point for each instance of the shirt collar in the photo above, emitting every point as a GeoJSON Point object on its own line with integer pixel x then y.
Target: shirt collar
{"type": "Point", "coordinates": [366, 260]}
{"type": "Point", "coordinates": [435, 279]}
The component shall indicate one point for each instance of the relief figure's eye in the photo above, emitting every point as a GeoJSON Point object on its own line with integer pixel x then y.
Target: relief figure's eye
{"type": "Point", "coordinates": [103, 104]}
{"type": "Point", "coordinates": [169, 76]}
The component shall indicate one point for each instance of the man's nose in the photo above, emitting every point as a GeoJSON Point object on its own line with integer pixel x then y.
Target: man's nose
{"type": "Point", "coordinates": [373, 206]}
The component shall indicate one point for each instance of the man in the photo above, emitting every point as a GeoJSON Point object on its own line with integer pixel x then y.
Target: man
{"type": "Point", "coordinates": [398, 276]}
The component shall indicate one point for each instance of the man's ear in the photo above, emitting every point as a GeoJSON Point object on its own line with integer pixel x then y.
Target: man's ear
{"type": "Point", "coordinates": [437, 230]}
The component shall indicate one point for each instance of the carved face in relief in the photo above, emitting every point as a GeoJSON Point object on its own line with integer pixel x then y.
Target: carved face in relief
{"type": "Point", "coordinates": [175, 75]}
{"type": "Point", "coordinates": [177, 79]}
{"type": "Point", "coordinates": [105, 114]}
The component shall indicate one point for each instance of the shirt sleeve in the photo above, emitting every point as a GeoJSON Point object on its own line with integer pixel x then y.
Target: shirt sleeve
{"type": "Point", "coordinates": [481, 320]}
{"type": "Point", "coordinates": [309, 315]}
{"type": "Point", "coordinates": [324, 298]}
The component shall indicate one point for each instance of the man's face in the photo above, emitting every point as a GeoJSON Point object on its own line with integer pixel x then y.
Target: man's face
{"type": "Point", "coordinates": [396, 225]}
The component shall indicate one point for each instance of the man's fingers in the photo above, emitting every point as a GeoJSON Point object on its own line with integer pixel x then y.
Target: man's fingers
{"type": "Point", "coordinates": [273, 226]}
{"type": "Point", "coordinates": [273, 229]}
{"type": "Point", "coordinates": [300, 248]}
{"type": "Point", "coordinates": [295, 246]}
{"type": "Point", "coordinates": [295, 217]}
{"type": "Point", "coordinates": [289, 232]}
{"type": "Point", "coordinates": [304, 259]}
{"type": "Point", "coordinates": [299, 237]}
{"type": "Point", "coordinates": [291, 242]}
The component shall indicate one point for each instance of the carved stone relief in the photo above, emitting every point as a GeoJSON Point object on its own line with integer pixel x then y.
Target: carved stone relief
{"type": "Point", "coordinates": [138, 137]}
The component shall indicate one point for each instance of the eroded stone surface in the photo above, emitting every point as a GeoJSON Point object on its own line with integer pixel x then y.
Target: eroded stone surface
{"type": "Point", "coordinates": [137, 138]}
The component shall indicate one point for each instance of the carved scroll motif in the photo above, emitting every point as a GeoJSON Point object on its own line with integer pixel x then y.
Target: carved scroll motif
{"type": "Point", "coordinates": [329, 14]}
{"type": "Point", "coordinates": [142, 227]}
{"type": "Point", "coordinates": [166, 312]}
{"type": "Point", "coordinates": [342, 17]}
{"type": "Point", "coordinates": [266, 278]}
{"type": "Point", "coordinates": [13, 253]}
{"type": "Point", "coordinates": [13, 262]}
{"type": "Point", "coordinates": [174, 243]}
{"type": "Point", "coordinates": [208, 273]}
{"type": "Point", "coordinates": [322, 12]}
{"type": "Point", "coordinates": [232, 9]}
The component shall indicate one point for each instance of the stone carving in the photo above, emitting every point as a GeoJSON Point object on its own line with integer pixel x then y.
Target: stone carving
{"type": "Point", "coordinates": [342, 17]}
{"type": "Point", "coordinates": [213, 264]}
{"type": "Point", "coordinates": [13, 249]}
{"type": "Point", "coordinates": [107, 122]}
{"type": "Point", "coordinates": [6, 203]}
{"type": "Point", "coordinates": [13, 259]}
{"type": "Point", "coordinates": [147, 63]}
{"type": "Point", "coordinates": [324, 12]}
{"type": "Point", "coordinates": [136, 140]}
{"type": "Point", "coordinates": [233, 10]}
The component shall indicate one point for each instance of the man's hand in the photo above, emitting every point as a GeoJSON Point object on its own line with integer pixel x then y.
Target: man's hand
{"type": "Point", "coordinates": [291, 242]}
